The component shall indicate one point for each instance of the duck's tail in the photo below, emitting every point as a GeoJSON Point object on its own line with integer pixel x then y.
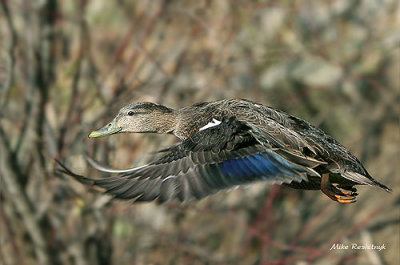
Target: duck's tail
{"type": "Point", "coordinates": [364, 179]}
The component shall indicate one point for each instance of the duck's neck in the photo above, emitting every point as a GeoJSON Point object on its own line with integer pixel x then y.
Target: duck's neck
{"type": "Point", "coordinates": [184, 123]}
{"type": "Point", "coordinates": [168, 122]}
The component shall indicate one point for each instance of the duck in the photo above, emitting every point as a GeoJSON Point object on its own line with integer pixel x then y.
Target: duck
{"type": "Point", "coordinates": [227, 143]}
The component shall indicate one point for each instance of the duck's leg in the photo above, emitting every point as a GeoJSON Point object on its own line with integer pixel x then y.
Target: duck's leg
{"type": "Point", "coordinates": [337, 193]}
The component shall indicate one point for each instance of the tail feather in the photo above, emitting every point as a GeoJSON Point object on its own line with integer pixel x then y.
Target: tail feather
{"type": "Point", "coordinates": [361, 179]}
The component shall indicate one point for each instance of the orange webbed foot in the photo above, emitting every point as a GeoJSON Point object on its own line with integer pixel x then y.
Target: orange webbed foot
{"type": "Point", "coordinates": [336, 192]}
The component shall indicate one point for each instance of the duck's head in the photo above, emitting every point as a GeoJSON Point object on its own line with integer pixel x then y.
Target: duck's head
{"type": "Point", "coordinates": [142, 117]}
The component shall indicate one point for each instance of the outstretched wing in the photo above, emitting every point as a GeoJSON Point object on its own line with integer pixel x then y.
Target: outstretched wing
{"type": "Point", "coordinates": [213, 159]}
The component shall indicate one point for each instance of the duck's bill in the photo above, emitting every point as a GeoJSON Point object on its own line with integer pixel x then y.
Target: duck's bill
{"type": "Point", "coordinates": [106, 130]}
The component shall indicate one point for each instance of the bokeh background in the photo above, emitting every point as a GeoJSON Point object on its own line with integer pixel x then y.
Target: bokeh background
{"type": "Point", "coordinates": [66, 67]}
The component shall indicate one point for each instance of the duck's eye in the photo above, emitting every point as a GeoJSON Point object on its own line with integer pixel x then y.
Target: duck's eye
{"type": "Point", "coordinates": [130, 113]}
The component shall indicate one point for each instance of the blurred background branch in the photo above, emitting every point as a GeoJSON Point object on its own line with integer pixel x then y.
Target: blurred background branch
{"type": "Point", "coordinates": [66, 67]}
{"type": "Point", "coordinates": [7, 80]}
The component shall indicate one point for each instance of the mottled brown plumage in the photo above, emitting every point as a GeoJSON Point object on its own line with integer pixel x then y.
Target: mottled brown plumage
{"type": "Point", "coordinates": [226, 143]}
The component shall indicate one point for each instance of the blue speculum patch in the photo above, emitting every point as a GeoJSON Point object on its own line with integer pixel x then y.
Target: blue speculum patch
{"type": "Point", "coordinates": [265, 165]}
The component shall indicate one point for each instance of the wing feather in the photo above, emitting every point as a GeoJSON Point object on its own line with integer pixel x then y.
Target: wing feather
{"type": "Point", "coordinates": [213, 159]}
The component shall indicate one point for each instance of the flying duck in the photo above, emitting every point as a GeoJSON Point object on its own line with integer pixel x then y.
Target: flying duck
{"type": "Point", "coordinates": [227, 143]}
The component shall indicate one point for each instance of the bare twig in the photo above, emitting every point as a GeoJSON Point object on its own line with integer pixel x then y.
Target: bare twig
{"type": "Point", "coordinates": [8, 231]}
{"type": "Point", "coordinates": [23, 205]}
{"type": "Point", "coordinates": [11, 61]}
{"type": "Point", "coordinates": [75, 83]}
